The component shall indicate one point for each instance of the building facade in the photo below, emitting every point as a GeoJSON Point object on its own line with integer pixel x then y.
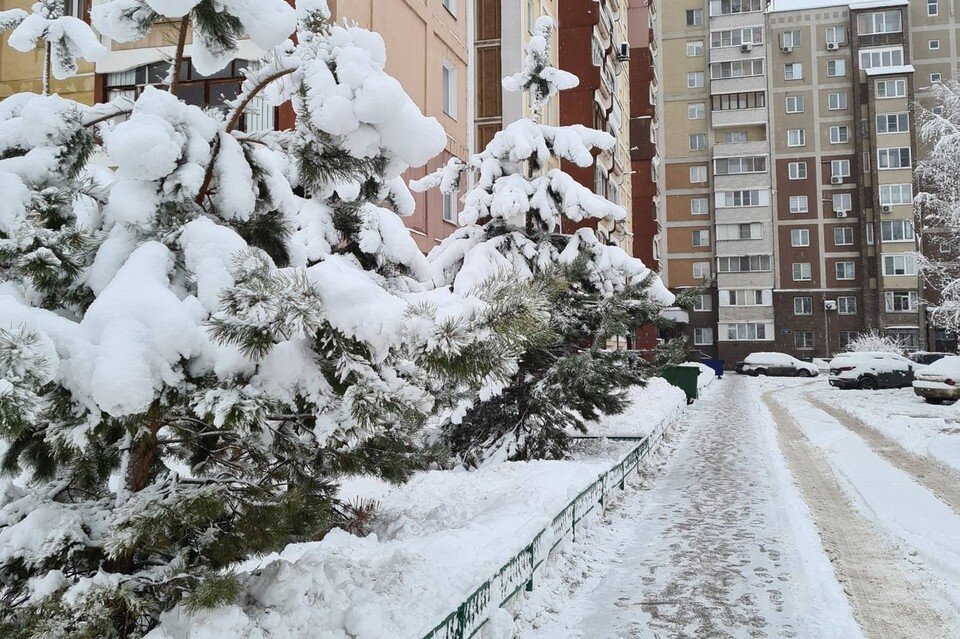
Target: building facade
{"type": "Point", "coordinates": [787, 175]}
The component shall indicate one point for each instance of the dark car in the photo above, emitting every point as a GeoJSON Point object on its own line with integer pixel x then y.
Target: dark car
{"type": "Point", "coordinates": [870, 371]}
{"type": "Point", "coordinates": [923, 357]}
{"type": "Point", "coordinates": [775, 364]}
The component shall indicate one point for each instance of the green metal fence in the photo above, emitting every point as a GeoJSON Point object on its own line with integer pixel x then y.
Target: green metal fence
{"type": "Point", "coordinates": [469, 618]}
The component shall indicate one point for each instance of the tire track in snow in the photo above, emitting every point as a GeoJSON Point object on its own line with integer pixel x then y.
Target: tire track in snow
{"type": "Point", "coordinates": [885, 603]}
{"type": "Point", "coordinates": [927, 472]}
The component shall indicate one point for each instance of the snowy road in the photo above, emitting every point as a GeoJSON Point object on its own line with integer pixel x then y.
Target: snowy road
{"type": "Point", "coordinates": [774, 515]}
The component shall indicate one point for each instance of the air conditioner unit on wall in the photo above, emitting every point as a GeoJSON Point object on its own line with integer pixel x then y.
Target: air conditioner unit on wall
{"type": "Point", "coordinates": [886, 208]}
{"type": "Point", "coordinates": [836, 179]}
{"type": "Point", "coordinates": [841, 213]}
{"type": "Point", "coordinates": [833, 46]}
{"type": "Point", "coordinates": [787, 49]}
{"type": "Point", "coordinates": [624, 53]}
{"type": "Point", "coordinates": [746, 47]}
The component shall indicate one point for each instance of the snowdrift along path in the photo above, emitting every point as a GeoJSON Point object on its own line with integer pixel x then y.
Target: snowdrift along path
{"type": "Point", "coordinates": [721, 545]}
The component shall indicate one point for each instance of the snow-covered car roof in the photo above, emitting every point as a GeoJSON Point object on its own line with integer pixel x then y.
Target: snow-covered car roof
{"type": "Point", "coordinates": [769, 358]}
{"type": "Point", "coordinates": [948, 366]}
{"type": "Point", "coordinates": [871, 356]}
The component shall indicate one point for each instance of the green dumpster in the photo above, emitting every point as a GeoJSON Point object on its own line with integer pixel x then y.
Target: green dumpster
{"type": "Point", "coordinates": [684, 378]}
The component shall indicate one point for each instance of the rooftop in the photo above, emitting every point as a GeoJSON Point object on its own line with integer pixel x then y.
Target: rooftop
{"type": "Point", "coordinates": [803, 5]}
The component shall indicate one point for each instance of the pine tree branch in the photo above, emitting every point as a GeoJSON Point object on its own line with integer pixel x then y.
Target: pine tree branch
{"type": "Point", "coordinates": [178, 57]}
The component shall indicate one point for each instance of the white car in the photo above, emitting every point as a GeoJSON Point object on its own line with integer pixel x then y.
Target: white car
{"type": "Point", "coordinates": [779, 364]}
{"type": "Point", "coordinates": [870, 371]}
{"type": "Point", "coordinates": [939, 381]}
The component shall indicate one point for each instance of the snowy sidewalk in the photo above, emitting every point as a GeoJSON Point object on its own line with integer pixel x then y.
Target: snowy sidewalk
{"type": "Point", "coordinates": [720, 546]}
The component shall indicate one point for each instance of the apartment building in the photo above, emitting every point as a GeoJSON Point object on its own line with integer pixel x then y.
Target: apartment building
{"type": "Point", "coordinates": [794, 189]}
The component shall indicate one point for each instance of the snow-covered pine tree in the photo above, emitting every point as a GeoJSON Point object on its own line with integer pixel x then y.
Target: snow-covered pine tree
{"type": "Point", "coordinates": [190, 352]}
{"type": "Point", "coordinates": [65, 38]}
{"type": "Point", "coordinates": [511, 223]}
{"type": "Point", "coordinates": [938, 201]}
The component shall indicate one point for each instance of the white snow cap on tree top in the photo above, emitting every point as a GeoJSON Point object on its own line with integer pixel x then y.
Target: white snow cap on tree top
{"type": "Point", "coordinates": [70, 38]}
{"type": "Point", "coordinates": [537, 75]}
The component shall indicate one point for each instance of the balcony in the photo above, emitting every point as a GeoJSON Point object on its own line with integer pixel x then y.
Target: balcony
{"type": "Point", "coordinates": [741, 149]}
{"type": "Point", "coordinates": [738, 117]}
{"type": "Point", "coordinates": [729, 54]}
{"type": "Point", "coordinates": [738, 85]}
{"type": "Point", "coordinates": [740, 181]}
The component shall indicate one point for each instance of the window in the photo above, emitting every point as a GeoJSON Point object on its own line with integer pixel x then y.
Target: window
{"type": "Point", "coordinates": [695, 79]}
{"type": "Point", "coordinates": [846, 270]}
{"type": "Point", "coordinates": [703, 302]}
{"type": "Point", "coordinates": [734, 137]}
{"type": "Point", "coordinates": [744, 264]}
{"type": "Point", "coordinates": [836, 35]}
{"type": "Point", "coordinates": [794, 104]}
{"type": "Point", "coordinates": [933, 45]}
{"type": "Point", "coordinates": [879, 22]}
{"type": "Point", "coordinates": [738, 166]}
{"type": "Point", "coordinates": [726, 7]}
{"type": "Point", "coordinates": [744, 297]}
{"type": "Point", "coordinates": [797, 170]}
{"type": "Point", "coordinates": [894, 158]}
{"type": "Point", "coordinates": [870, 238]}
{"type": "Point", "coordinates": [736, 37]}
{"type": "Point", "coordinates": [933, 7]}
{"type": "Point", "coordinates": [694, 48]}
{"type": "Point", "coordinates": [803, 340]}
{"type": "Point", "coordinates": [791, 39]}
{"type": "Point", "coordinates": [799, 204]}
{"type": "Point", "coordinates": [847, 305]}
{"type": "Point", "coordinates": [699, 206]}
{"type": "Point", "coordinates": [842, 202]}
{"type": "Point", "coordinates": [843, 236]}
{"type": "Point", "coordinates": [803, 306]}
{"type": "Point", "coordinates": [894, 194]}
{"type": "Point", "coordinates": [451, 6]}
{"type": "Point", "coordinates": [698, 174]}
{"type": "Point", "coordinates": [450, 207]}
{"type": "Point", "coordinates": [703, 336]}
{"type": "Point", "coordinates": [848, 336]}
{"type": "Point", "coordinates": [893, 123]}
{"type": "Point", "coordinates": [736, 69]}
{"type": "Point", "coordinates": [694, 17]}
{"type": "Point", "coordinates": [935, 78]}
{"type": "Point", "coordinates": [701, 270]}
{"type": "Point", "coordinates": [596, 52]}
{"type": "Point", "coordinates": [793, 71]}
{"type": "Point", "coordinates": [802, 272]}
{"type": "Point", "coordinates": [698, 141]}
{"type": "Point", "coordinates": [696, 111]}
{"type": "Point", "coordinates": [837, 101]}
{"type": "Point", "coordinates": [840, 168]}
{"type": "Point", "coordinates": [742, 231]}
{"type": "Point", "coordinates": [799, 237]}
{"type": "Point", "coordinates": [749, 331]}
{"type": "Point", "coordinates": [449, 89]}
{"type": "Point", "coordinates": [737, 199]}
{"type": "Point", "coordinates": [730, 101]}
{"type": "Point", "coordinates": [796, 137]}
{"type": "Point", "coordinates": [896, 231]}
{"type": "Point", "coordinates": [891, 88]}
{"type": "Point", "coordinates": [701, 238]}
{"type": "Point", "coordinates": [836, 68]}
{"type": "Point", "coordinates": [905, 264]}
{"type": "Point", "coordinates": [839, 135]}
{"type": "Point", "coordinates": [901, 301]}
{"type": "Point", "coordinates": [74, 8]}
{"type": "Point", "coordinates": [888, 57]}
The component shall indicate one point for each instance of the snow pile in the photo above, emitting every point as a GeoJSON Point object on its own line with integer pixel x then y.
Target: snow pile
{"type": "Point", "coordinates": [651, 406]}
{"type": "Point", "coordinates": [438, 538]}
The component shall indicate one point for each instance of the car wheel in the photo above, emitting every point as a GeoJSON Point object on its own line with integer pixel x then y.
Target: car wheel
{"type": "Point", "coordinates": [805, 373]}
{"type": "Point", "coordinates": [757, 372]}
{"type": "Point", "coordinates": [933, 400]}
{"type": "Point", "coordinates": [868, 383]}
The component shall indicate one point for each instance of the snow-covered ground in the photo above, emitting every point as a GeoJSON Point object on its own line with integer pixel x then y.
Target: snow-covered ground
{"type": "Point", "coordinates": [721, 545]}
{"type": "Point", "coordinates": [921, 428]}
{"type": "Point", "coordinates": [437, 538]}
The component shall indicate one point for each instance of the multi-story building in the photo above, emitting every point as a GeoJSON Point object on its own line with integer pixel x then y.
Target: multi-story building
{"type": "Point", "coordinates": [786, 171]}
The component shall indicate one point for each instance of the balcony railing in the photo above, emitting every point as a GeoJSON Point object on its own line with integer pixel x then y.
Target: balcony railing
{"type": "Point", "coordinates": [739, 117]}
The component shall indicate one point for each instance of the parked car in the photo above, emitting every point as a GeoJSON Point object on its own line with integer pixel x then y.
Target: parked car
{"type": "Point", "coordinates": [870, 371]}
{"type": "Point", "coordinates": [923, 357]}
{"type": "Point", "coordinates": [938, 382]}
{"type": "Point", "coordinates": [779, 364]}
